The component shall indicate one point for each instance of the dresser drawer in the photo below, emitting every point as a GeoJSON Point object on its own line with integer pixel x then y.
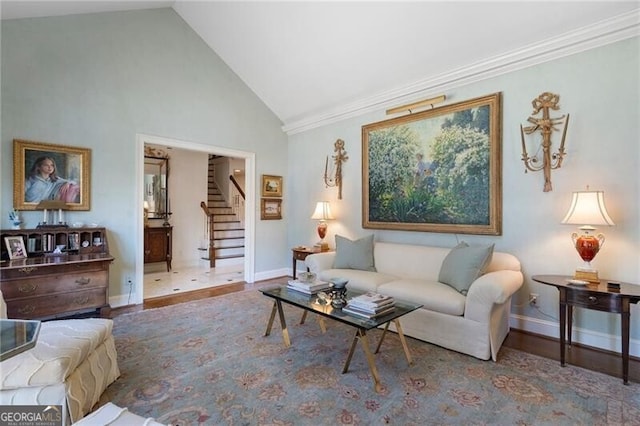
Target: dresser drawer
{"type": "Point", "coordinates": [56, 304]}
{"type": "Point", "coordinates": [16, 289]}
{"type": "Point", "coordinates": [595, 300]}
{"type": "Point", "coordinates": [49, 270]}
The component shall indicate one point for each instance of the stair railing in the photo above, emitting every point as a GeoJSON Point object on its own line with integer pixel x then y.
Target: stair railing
{"type": "Point", "coordinates": [212, 248]}
{"type": "Point", "coordinates": [237, 199]}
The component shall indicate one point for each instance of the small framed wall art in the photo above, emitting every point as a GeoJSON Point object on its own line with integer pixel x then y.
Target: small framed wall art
{"type": "Point", "coordinates": [270, 208]}
{"type": "Point", "coordinates": [271, 186]}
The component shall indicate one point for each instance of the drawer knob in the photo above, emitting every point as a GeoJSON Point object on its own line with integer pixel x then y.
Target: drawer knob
{"type": "Point", "coordinates": [593, 299]}
{"type": "Point", "coordinates": [27, 287]}
{"type": "Point", "coordinates": [26, 309]}
{"type": "Point", "coordinates": [83, 281]}
{"type": "Point", "coordinates": [81, 300]}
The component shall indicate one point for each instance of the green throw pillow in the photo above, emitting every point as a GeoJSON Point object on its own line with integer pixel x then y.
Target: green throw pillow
{"type": "Point", "coordinates": [356, 254]}
{"type": "Point", "coordinates": [464, 264]}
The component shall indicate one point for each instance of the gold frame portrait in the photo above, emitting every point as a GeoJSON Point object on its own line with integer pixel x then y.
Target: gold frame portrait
{"type": "Point", "coordinates": [72, 164]}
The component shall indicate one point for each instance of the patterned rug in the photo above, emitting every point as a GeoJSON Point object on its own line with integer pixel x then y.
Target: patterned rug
{"type": "Point", "coordinates": [208, 362]}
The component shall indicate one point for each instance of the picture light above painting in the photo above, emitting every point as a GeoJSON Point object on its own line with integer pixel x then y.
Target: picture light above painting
{"type": "Point", "coordinates": [435, 171]}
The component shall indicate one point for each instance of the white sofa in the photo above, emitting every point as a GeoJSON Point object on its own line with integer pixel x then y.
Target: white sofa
{"type": "Point", "coordinates": [71, 365]}
{"type": "Point", "coordinates": [475, 324]}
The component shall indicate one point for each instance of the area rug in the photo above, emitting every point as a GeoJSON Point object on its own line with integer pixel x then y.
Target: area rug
{"type": "Point", "coordinates": [208, 362]}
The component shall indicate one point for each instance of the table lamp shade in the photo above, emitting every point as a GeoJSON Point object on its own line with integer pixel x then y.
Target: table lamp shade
{"type": "Point", "coordinates": [322, 213]}
{"type": "Point", "coordinates": [587, 209]}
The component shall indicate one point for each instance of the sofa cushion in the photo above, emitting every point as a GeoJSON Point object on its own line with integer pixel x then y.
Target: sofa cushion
{"type": "Point", "coordinates": [61, 347]}
{"type": "Point", "coordinates": [356, 254]}
{"type": "Point", "coordinates": [433, 295]}
{"type": "Point", "coordinates": [358, 280]}
{"type": "Point", "coordinates": [464, 264]}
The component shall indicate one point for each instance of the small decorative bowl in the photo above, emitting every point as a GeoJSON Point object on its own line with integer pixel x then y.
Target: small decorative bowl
{"type": "Point", "coordinates": [307, 277]}
{"type": "Point", "coordinates": [339, 283]}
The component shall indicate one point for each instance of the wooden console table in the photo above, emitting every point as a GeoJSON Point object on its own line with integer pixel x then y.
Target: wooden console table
{"type": "Point", "coordinates": [48, 285]}
{"type": "Point", "coordinates": [158, 245]}
{"type": "Point", "coordinates": [598, 297]}
{"type": "Point", "coordinates": [301, 253]}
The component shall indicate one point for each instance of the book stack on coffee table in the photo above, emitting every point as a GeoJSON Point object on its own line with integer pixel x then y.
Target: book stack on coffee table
{"type": "Point", "coordinates": [370, 305]}
{"type": "Point", "coordinates": [308, 288]}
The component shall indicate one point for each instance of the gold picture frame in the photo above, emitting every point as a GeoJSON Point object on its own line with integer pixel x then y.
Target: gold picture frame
{"type": "Point", "coordinates": [270, 208]}
{"type": "Point", "coordinates": [271, 186]}
{"type": "Point", "coordinates": [70, 181]}
{"type": "Point", "coordinates": [15, 247]}
{"type": "Point", "coordinates": [438, 170]}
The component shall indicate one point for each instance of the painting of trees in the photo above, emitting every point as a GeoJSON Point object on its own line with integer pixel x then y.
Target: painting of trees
{"type": "Point", "coordinates": [435, 171]}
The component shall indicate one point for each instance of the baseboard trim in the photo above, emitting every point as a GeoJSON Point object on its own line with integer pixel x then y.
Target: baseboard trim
{"type": "Point", "coordinates": [607, 342]}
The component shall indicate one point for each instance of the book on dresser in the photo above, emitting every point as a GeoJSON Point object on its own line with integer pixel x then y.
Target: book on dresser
{"type": "Point", "coordinates": [65, 272]}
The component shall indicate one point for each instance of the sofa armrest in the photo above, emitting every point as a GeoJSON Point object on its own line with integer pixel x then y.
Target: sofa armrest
{"type": "Point", "coordinates": [318, 262]}
{"type": "Point", "coordinates": [494, 288]}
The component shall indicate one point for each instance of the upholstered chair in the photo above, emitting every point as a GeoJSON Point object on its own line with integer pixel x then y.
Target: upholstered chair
{"type": "Point", "coordinates": [71, 365]}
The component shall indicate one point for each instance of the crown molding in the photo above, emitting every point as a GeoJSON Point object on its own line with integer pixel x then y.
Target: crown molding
{"type": "Point", "coordinates": [605, 32]}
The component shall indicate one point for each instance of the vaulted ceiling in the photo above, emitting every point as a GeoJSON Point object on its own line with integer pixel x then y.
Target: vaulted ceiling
{"type": "Point", "coordinates": [313, 62]}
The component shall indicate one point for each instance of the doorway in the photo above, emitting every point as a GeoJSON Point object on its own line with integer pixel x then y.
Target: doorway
{"type": "Point", "coordinates": [223, 273]}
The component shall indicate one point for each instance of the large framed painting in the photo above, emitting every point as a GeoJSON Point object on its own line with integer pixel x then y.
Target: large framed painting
{"type": "Point", "coordinates": [435, 171]}
{"type": "Point", "coordinates": [48, 172]}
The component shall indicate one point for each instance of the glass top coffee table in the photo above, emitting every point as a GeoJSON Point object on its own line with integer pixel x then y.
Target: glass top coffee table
{"type": "Point", "coordinates": [311, 303]}
{"type": "Point", "coordinates": [17, 336]}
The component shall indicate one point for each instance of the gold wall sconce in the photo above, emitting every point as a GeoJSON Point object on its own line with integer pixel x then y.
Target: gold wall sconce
{"type": "Point", "coordinates": [335, 179]}
{"type": "Point", "coordinates": [546, 125]}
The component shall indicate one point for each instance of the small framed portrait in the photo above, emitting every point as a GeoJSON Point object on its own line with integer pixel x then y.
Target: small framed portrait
{"type": "Point", "coordinates": [15, 247]}
{"type": "Point", "coordinates": [47, 172]}
{"type": "Point", "coordinates": [270, 208]}
{"type": "Point", "coordinates": [271, 186]}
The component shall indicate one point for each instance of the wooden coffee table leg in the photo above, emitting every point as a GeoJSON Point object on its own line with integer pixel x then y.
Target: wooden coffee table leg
{"type": "Point", "coordinates": [283, 323]}
{"type": "Point", "coordinates": [377, 385]}
{"type": "Point", "coordinates": [403, 340]}
{"type": "Point", "coordinates": [352, 349]}
{"type": "Point", "coordinates": [271, 318]}
{"type": "Point", "coordinates": [304, 317]}
{"type": "Point", "coordinates": [384, 333]}
{"type": "Point", "coordinates": [323, 325]}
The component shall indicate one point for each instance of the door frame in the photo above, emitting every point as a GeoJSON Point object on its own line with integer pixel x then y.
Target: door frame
{"type": "Point", "coordinates": [249, 206]}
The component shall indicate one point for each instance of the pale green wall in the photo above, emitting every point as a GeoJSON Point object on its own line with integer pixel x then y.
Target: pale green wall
{"type": "Point", "coordinates": [96, 80]}
{"type": "Point", "coordinates": [600, 89]}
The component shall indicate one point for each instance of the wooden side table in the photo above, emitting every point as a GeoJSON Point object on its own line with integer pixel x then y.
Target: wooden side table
{"type": "Point", "coordinates": [301, 253]}
{"type": "Point", "coordinates": [598, 297]}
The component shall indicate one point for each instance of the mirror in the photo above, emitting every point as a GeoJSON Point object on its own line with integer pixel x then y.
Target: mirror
{"type": "Point", "coordinates": [156, 193]}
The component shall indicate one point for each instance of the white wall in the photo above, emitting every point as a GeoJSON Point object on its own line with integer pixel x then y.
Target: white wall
{"type": "Point", "coordinates": [97, 80]}
{"type": "Point", "coordinates": [187, 188]}
{"type": "Point", "coordinates": [600, 89]}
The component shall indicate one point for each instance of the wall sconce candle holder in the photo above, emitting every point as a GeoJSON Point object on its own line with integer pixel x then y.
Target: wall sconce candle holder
{"type": "Point", "coordinates": [338, 159]}
{"type": "Point", "coordinates": [546, 125]}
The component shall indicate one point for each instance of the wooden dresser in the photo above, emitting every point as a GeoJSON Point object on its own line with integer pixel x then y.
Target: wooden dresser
{"type": "Point", "coordinates": [51, 285]}
{"type": "Point", "coordinates": [157, 245]}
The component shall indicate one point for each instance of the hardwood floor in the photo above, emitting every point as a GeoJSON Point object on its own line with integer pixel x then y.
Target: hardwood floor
{"type": "Point", "coordinates": [583, 356]}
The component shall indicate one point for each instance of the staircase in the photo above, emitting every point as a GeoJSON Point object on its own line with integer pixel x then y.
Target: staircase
{"type": "Point", "coordinates": [227, 237]}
